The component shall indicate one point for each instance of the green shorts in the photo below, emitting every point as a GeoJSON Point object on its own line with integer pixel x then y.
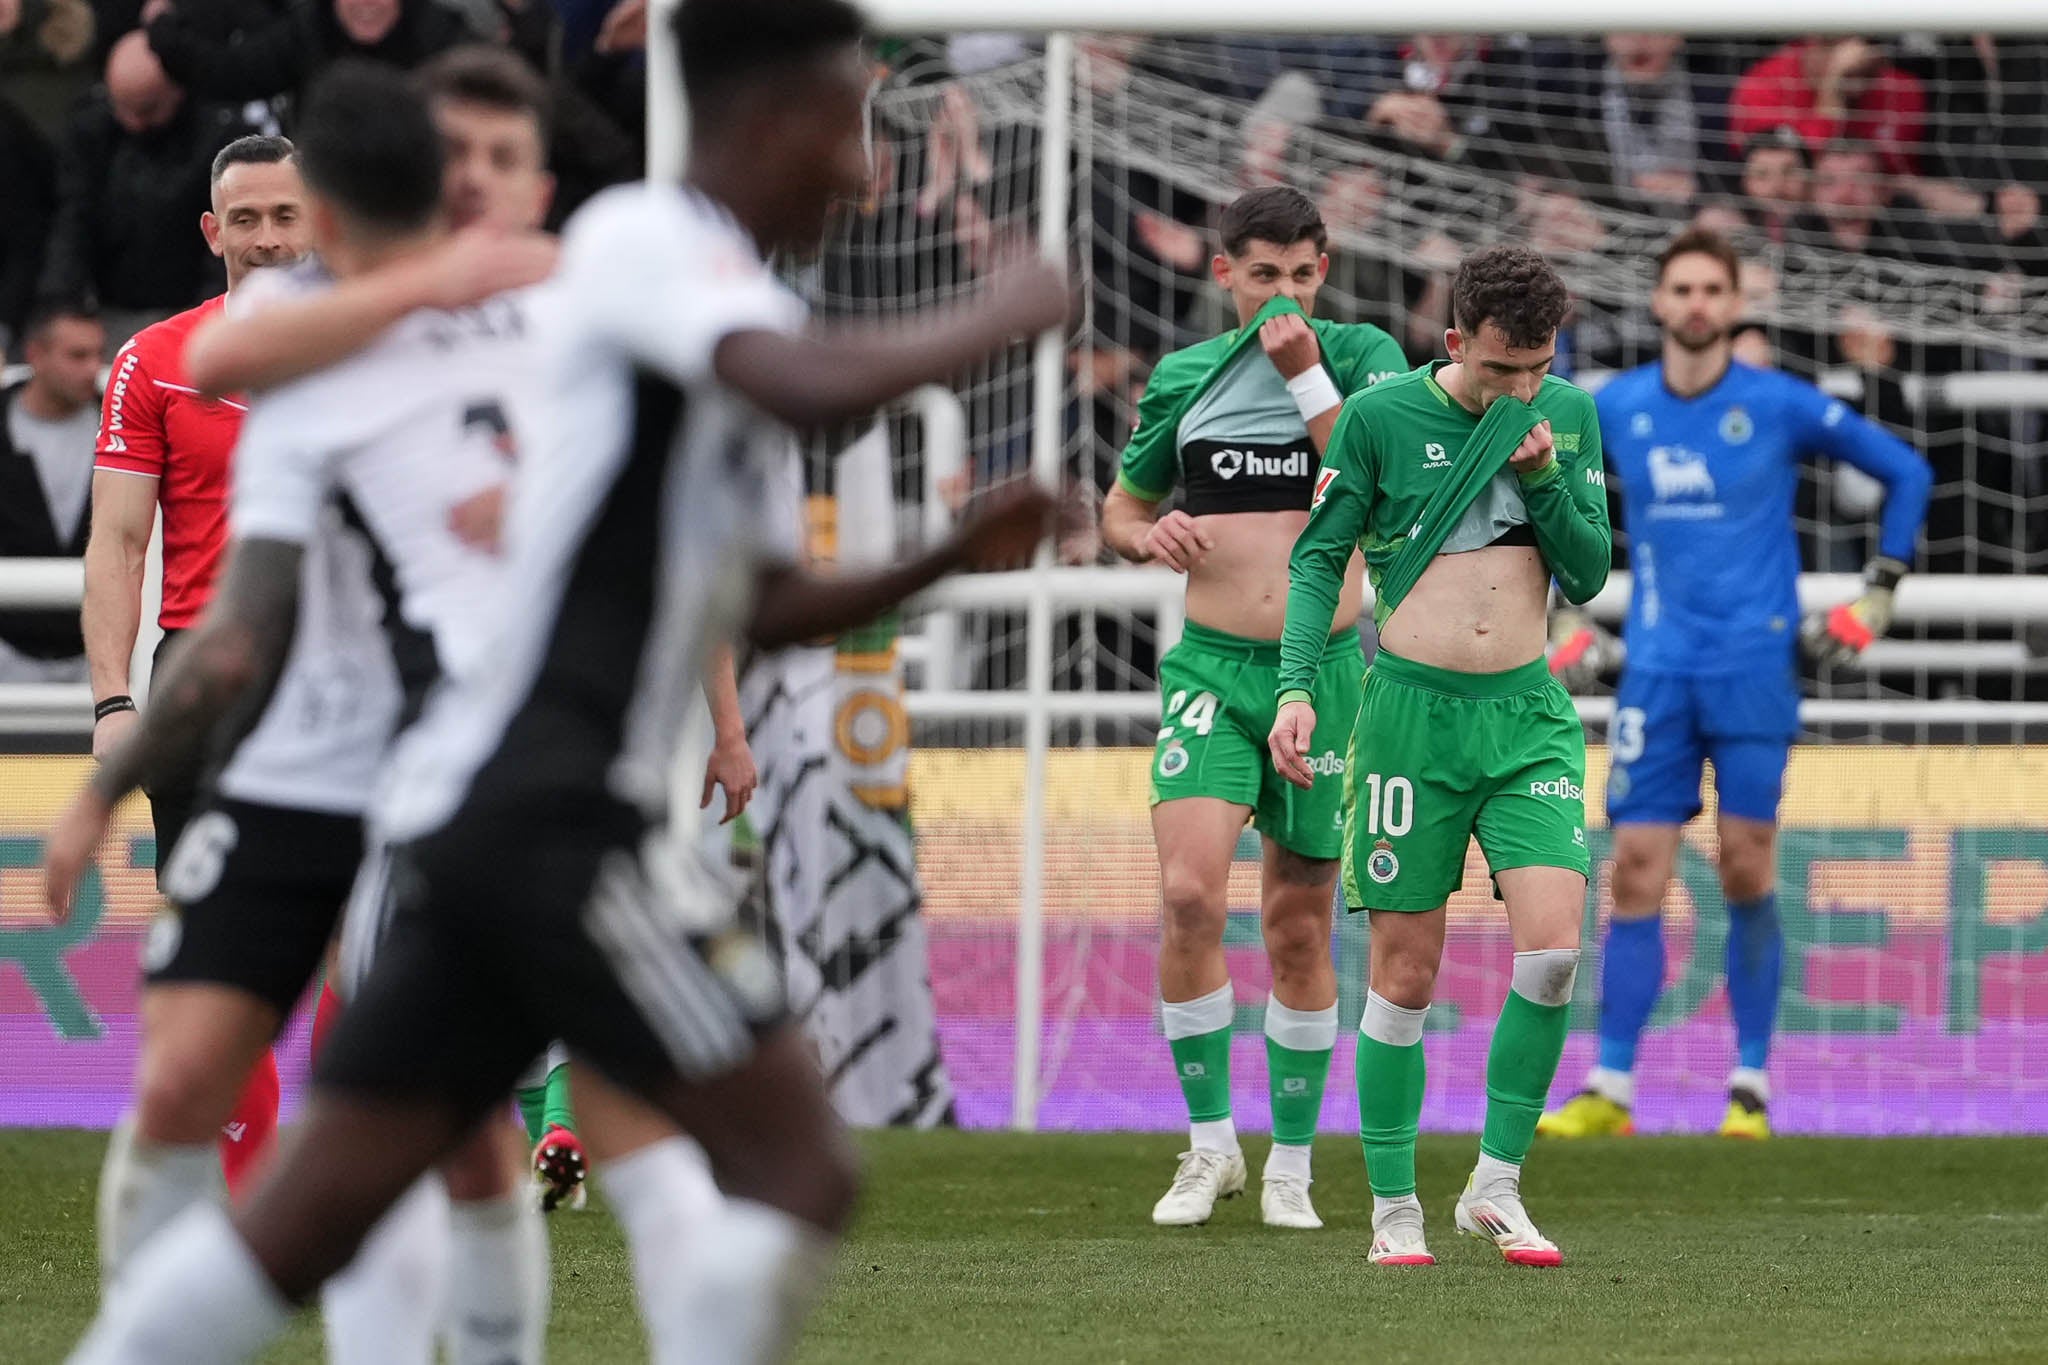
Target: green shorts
{"type": "Point", "coordinates": [1440, 756]}
{"type": "Point", "coordinates": [1218, 692]}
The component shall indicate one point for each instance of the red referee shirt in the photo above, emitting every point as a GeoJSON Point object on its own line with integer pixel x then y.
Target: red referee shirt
{"type": "Point", "coordinates": [154, 423]}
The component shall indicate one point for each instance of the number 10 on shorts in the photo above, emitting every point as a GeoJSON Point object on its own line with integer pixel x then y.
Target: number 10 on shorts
{"type": "Point", "coordinates": [1389, 805]}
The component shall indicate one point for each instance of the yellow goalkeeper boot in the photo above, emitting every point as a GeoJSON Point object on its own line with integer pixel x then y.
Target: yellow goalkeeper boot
{"type": "Point", "coordinates": [1587, 1114]}
{"type": "Point", "coordinates": [1747, 1117]}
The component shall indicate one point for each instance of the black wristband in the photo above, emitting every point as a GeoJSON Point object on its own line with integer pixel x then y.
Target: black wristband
{"type": "Point", "coordinates": [1884, 572]}
{"type": "Point", "coordinates": [107, 706]}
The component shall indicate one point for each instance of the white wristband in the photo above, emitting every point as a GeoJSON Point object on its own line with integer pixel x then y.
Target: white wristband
{"type": "Point", "coordinates": [1314, 392]}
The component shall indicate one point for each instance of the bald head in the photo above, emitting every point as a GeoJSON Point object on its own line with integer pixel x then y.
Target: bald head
{"type": "Point", "coordinates": [142, 96]}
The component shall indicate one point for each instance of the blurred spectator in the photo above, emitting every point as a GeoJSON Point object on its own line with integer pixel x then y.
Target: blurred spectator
{"type": "Point", "coordinates": [1989, 121]}
{"type": "Point", "coordinates": [1849, 198]}
{"type": "Point", "coordinates": [1649, 120]}
{"type": "Point", "coordinates": [1376, 288]}
{"type": "Point", "coordinates": [1466, 100]}
{"type": "Point", "coordinates": [47, 426]}
{"type": "Point", "coordinates": [46, 56]}
{"type": "Point", "coordinates": [27, 169]}
{"type": "Point", "coordinates": [131, 183]}
{"type": "Point", "coordinates": [281, 56]}
{"type": "Point", "coordinates": [1777, 184]}
{"type": "Point", "coordinates": [1751, 344]}
{"type": "Point", "coordinates": [1829, 90]}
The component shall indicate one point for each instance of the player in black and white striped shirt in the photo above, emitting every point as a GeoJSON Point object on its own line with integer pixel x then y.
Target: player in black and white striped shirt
{"type": "Point", "coordinates": [539, 895]}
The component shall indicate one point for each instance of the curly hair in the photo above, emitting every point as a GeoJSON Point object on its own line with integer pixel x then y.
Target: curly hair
{"type": "Point", "coordinates": [1513, 288]}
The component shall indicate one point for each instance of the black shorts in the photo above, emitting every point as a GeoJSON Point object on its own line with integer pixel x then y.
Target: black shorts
{"type": "Point", "coordinates": [252, 896]}
{"type": "Point", "coordinates": [170, 801]}
{"type": "Point", "coordinates": [503, 935]}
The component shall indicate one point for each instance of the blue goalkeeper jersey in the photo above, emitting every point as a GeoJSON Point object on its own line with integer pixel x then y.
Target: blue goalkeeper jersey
{"type": "Point", "coordinates": [1707, 487]}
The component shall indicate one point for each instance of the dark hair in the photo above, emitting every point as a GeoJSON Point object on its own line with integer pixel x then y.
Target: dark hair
{"type": "Point", "coordinates": [492, 77]}
{"type": "Point", "coordinates": [367, 143]}
{"type": "Point", "coordinates": [1785, 138]}
{"type": "Point", "coordinates": [726, 43]}
{"type": "Point", "coordinates": [47, 313]}
{"type": "Point", "coordinates": [256, 149]}
{"type": "Point", "coordinates": [1699, 241]}
{"type": "Point", "coordinates": [1279, 214]}
{"type": "Point", "coordinates": [1513, 288]}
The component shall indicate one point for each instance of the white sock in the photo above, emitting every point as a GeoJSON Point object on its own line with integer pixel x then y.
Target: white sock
{"type": "Point", "coordinates": [385, 1307]}
{"type": "Point", "coordinates": [740, 1293]}
{"type": "Point", "coordinates": [497, 1281]}
{"type": "Point", "coordinates": [1493, 1178]}
{"type": "Point", "coordinates": [1213, 1135]}
{"type": "Point", "coordinates": [1400, 1209]}
{"type": "Point", "coordinates": [1288, 1160]}
{"type": "Point", "coordinates": [193, 1296]}
{"type": "Point", "coordinates": [1619, 1086]}
{"type": "Point", "coordinates": [144, 1185]}
{"type": "Point", "coordinates": [665, 1199]}
{"type": "Point", "coordinates": [1751, 1079]}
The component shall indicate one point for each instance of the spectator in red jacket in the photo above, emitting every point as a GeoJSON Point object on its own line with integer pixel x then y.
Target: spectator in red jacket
{"type": "Point", "coordinates": [1833, 90]}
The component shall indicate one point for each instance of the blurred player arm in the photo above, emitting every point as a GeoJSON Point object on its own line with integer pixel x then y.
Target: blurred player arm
{"type": "Point", "coordinates": [230, 659]}
{"type": "Point", "coordinates": [818, 377]}
{"type": "Point", "coordinates": [732, 761]}
{"type": "Point", "coordinates": [1567, 500]}
{"type": "Point", "coordinates": [1836, 635]}
{"type": "Point", "coordinates": [297, 336]}
{"type": "Point", "coordinates": [999, 530]}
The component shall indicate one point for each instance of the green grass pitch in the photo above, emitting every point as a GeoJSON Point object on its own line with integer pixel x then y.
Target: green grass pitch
{"type": "Point", "coordinates": [997, 1248]}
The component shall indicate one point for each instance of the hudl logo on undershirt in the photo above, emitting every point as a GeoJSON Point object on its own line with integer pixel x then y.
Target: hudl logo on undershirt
{"type": "Point", "coordinates": [1229, 462]}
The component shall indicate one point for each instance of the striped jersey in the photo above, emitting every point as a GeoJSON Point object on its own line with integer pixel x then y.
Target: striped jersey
{"type": "Point", "coordinates": [371, 464]}
{"type": "Point", "coordinates": [635, 530]}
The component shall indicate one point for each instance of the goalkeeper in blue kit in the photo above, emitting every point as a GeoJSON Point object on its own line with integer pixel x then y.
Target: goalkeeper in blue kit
{"type": "Point", "coordinates": [1708, 452]}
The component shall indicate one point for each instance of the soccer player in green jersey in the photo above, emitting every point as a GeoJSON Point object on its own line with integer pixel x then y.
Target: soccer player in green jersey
{"type": "Point", "coordinates": [1239, 421]}
{"type": "Point", "coordinates": [1468, 485]}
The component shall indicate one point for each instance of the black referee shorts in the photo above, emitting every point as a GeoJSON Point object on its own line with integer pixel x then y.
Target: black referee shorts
{"type": "Point", "coordinates": [252, 896]}
{"type": "Point", "coordinates": [506, 934]}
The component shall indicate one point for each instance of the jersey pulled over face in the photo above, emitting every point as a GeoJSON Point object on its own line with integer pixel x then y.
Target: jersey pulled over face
{"type": "Point", "coordinates": [1217, 418]}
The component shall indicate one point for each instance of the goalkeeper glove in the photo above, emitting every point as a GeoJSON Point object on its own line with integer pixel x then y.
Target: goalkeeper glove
{"type": "Point", "coordinates": [1580, 651]}
{"type": "Point", "coordinates": [1836, 635]}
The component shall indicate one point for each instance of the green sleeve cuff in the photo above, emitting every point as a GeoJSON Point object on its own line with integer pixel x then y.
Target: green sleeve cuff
{"type": "Point", "coordinates": [1125, 482]}
{"type": "Point", "coordinates": [1294, 694]}
{"type": "Point", "coordinates": [1552, 471]}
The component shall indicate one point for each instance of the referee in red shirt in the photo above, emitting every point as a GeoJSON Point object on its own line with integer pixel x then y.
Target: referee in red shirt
{"type": "Point", "coordinates": [162, 444]}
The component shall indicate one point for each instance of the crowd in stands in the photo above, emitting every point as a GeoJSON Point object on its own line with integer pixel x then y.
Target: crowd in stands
{"type": "Point", "coordinates": [1928, 154]}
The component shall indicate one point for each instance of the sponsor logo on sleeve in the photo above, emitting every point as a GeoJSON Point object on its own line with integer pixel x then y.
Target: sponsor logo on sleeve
{"type": "Point", "coordinates": [1324, 479]}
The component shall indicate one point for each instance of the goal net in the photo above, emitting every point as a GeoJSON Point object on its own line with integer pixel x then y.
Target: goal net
{"type": "Point", "coordinates": [1896, 255]}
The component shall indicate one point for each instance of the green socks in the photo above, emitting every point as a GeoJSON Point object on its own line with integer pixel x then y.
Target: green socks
{"type": "Point", "coordinates": [1298, 1047]}
{"type": "Point", "coordinates": [1198, 1032]}
{"type": "Point", "coordinates": [1390, 1079]}
{"type": "Point", "coordinates": [1527, 1044]}
{"type": "Point", "coordinates": [547, 1105]}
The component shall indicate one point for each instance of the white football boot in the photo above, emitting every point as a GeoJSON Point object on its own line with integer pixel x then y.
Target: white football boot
{"type": "Point", "coordinates": [1501, 1220]}
{"type": "Point", "coordinates": [1203, 1178]}
{"type": "Point", "coordinates": [1284, 1203]}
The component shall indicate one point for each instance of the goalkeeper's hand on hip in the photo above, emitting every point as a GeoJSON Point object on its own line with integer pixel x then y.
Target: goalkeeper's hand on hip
{"type": "Point", "coordinates": [1837, 635]}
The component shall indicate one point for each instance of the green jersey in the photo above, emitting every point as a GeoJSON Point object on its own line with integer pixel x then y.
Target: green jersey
{"type": "Point", "coordinates": [1217, 418]}
{"type": "Point", "coordinates": [1391, 448]}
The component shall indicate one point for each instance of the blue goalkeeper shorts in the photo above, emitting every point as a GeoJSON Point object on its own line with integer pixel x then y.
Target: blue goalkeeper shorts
{"type": "Point", "coordinates": [1668, 725]}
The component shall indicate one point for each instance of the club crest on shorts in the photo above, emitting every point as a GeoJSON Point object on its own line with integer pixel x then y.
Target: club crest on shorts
{"type": "Point", "coordinates": [1173, 761]}
{"type": "Point", "coordinates": [1382, 866]}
